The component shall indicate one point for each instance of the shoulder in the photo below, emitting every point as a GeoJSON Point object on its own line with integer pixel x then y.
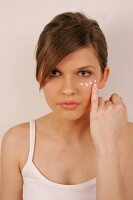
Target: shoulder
{"type": "Point", "coordinates": [129, 134]}
{"type": "Point", "coordinates": [130, 138]}
{"type": "Point", "coordinates": [126, 148]}
{"type": "Point", "coordinates": [128, 167]}
{"type": "Point", "coordinates": [130, 127]}
{"type": "Point", "coordinates": [15, 139]}
{"type": "Point", "coordinates": [126, 140]}
{"type": "Point", "coordinates": [126, 158]}
{"type": "Point", "coordinates": [11, 150]}
{"type": "Point", "coordinates": [16, 134]}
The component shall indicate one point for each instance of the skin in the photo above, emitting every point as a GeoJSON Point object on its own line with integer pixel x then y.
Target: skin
{"type": "Point", "coordinates": [113, 113]}
{"type": "Point", "coordinates": [104, 121]}
{"type": "Point", "coordinates": [87, 138]}
{"type": "Point", "coordinates": [107, 122]}
{"type": "Point", "coordinates": [66, 86]}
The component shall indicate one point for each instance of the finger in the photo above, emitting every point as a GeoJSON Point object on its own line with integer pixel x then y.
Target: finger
{"type": "Point", "coordinates": [121, 100]}
{"type": "Point", "coordinates": [100, 102]}
{"type": "Point", "coordinates": [107, 103]}
{"type": "Point", "coordinates": [115, 98]}
{"type": "Point", "coordinates": [94, 98]}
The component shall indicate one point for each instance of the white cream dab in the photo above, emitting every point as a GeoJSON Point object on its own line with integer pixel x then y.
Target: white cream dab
{"type": "Point", "coordinates": [87, 84]}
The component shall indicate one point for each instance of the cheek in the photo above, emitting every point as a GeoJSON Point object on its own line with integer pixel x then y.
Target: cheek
{"type": "Point", "coordinates": [50, 88]}
{"type": "Point", "coordinates": [50, 93]}
{"type": "Point", "coordinates": [86, 95]}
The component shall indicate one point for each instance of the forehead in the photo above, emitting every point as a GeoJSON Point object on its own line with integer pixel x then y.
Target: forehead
{"type": "Point", "coordinates": [82, 57]}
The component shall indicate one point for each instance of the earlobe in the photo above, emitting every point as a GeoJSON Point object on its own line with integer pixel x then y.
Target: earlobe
{"type": "Point", "coordinates": [104, 78]}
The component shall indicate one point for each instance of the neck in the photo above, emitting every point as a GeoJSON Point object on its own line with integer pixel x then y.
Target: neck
{"type": "Point", "coordinates": [70, 130]}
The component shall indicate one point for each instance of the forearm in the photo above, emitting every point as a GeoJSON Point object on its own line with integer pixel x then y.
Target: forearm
{"type": "Point", "coordinates": [109, 181]}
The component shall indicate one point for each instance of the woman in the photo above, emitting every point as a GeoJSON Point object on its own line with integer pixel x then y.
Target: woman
{"type": "Point", "coordinates": [82, 150]}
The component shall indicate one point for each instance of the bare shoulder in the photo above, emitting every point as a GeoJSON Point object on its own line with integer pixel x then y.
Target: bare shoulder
{"type": "Point", "coordinates": [16, 134]}
{"type": "Point", "coordinates": [16, 130]}
{"type": "Point", "coordinates": [129, 141]}
{"type": "Point", "coordinates": [130, 128]}
{"type": "Point", "coordinates": [126, 158]}
{"type": "Point", "coordinates": [11, 151]}
{"type": "Point", "coordinates": [16, 138]}
{"type": "Point", "coordinates": [129, 135]}
{"type": "Point", "coordinates": [126, 140]}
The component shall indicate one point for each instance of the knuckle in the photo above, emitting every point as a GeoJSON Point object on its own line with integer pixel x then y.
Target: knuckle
{"type": "Point", "coordinates": [115, 95]}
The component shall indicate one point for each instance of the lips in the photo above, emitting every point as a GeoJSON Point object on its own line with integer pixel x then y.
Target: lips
{"type": "Point", "coordinates": [69, 102]}
{"type": "Point", "coordinates": [69, 105]}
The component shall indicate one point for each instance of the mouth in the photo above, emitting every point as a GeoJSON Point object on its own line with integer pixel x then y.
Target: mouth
{"type": "Point", "coordinates": [69, 105]}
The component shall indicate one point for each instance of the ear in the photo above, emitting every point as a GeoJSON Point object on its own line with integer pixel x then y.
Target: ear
{"type": "Point", "coordinates": [38, 78]}
{"type": "Point", "coordinates": [104, 78]}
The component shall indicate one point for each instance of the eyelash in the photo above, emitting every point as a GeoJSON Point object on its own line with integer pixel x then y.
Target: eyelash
{"type": "Point", "coordinates": [52, 76]}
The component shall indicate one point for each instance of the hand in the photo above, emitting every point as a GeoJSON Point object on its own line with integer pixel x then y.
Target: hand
{"type": "Point", "coordinates": [107, 119]}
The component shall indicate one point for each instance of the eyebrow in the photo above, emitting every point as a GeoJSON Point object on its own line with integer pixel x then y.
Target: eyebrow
{"type": "Point", "coordinates": [89, 66]}
{"type": "Point", "coordinates": [84, 67]}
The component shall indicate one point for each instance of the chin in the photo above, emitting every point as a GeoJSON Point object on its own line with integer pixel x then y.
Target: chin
{"type": "Point", "coordinates": [70, 115]}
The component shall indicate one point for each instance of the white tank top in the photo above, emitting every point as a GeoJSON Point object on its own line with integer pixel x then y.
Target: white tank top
{"type": "Point", "coordinates": [37, 186]}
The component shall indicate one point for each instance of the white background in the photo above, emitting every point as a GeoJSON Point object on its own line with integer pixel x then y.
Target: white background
{"type": "Point", "coordinates": [21, 23]}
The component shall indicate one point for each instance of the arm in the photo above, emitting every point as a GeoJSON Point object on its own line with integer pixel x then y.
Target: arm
{"type": "Point", "coordinates": [107, 121]}
{"type": "Point", "coordinates": [11, 179]}
{"type": "Point", "coordinates": [109, 179]}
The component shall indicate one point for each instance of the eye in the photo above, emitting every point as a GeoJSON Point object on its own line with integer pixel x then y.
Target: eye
{"type": "Point", "coordinates": [54, 73]}
{"type": "Point", "coordinates": [85, 73]}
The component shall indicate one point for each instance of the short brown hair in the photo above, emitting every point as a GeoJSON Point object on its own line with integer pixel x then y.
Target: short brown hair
{"type": "Point", "coordinates": [64, 34]}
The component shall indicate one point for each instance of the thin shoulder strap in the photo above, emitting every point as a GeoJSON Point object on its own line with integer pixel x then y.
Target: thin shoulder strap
{"type": "Point", "coordinates": [32, 139]}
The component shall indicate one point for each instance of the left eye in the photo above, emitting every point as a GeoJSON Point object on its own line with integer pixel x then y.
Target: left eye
{"type": "Point", "coordinates": [85, 73]}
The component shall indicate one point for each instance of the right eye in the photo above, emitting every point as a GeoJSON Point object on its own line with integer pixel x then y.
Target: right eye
{"type": "Point", "coordinates": [54, 73]}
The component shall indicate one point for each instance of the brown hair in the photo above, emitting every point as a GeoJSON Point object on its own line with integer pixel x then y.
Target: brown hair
{"type": "Point", "coordinates": [66, 33]}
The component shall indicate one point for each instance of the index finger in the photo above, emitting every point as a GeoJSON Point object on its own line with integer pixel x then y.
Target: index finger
{"type": "Point", "coordinates": [94, 98]}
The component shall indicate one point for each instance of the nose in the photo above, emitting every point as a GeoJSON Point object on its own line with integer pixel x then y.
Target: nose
{"type": "Point", "coordinates": [68, 91]}
{"type": "Point", "coordinates": [68, 88]}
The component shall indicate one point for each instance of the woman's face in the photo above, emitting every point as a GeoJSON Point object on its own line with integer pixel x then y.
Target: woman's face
{"type": "Point", "coordinates": [68, 82]}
